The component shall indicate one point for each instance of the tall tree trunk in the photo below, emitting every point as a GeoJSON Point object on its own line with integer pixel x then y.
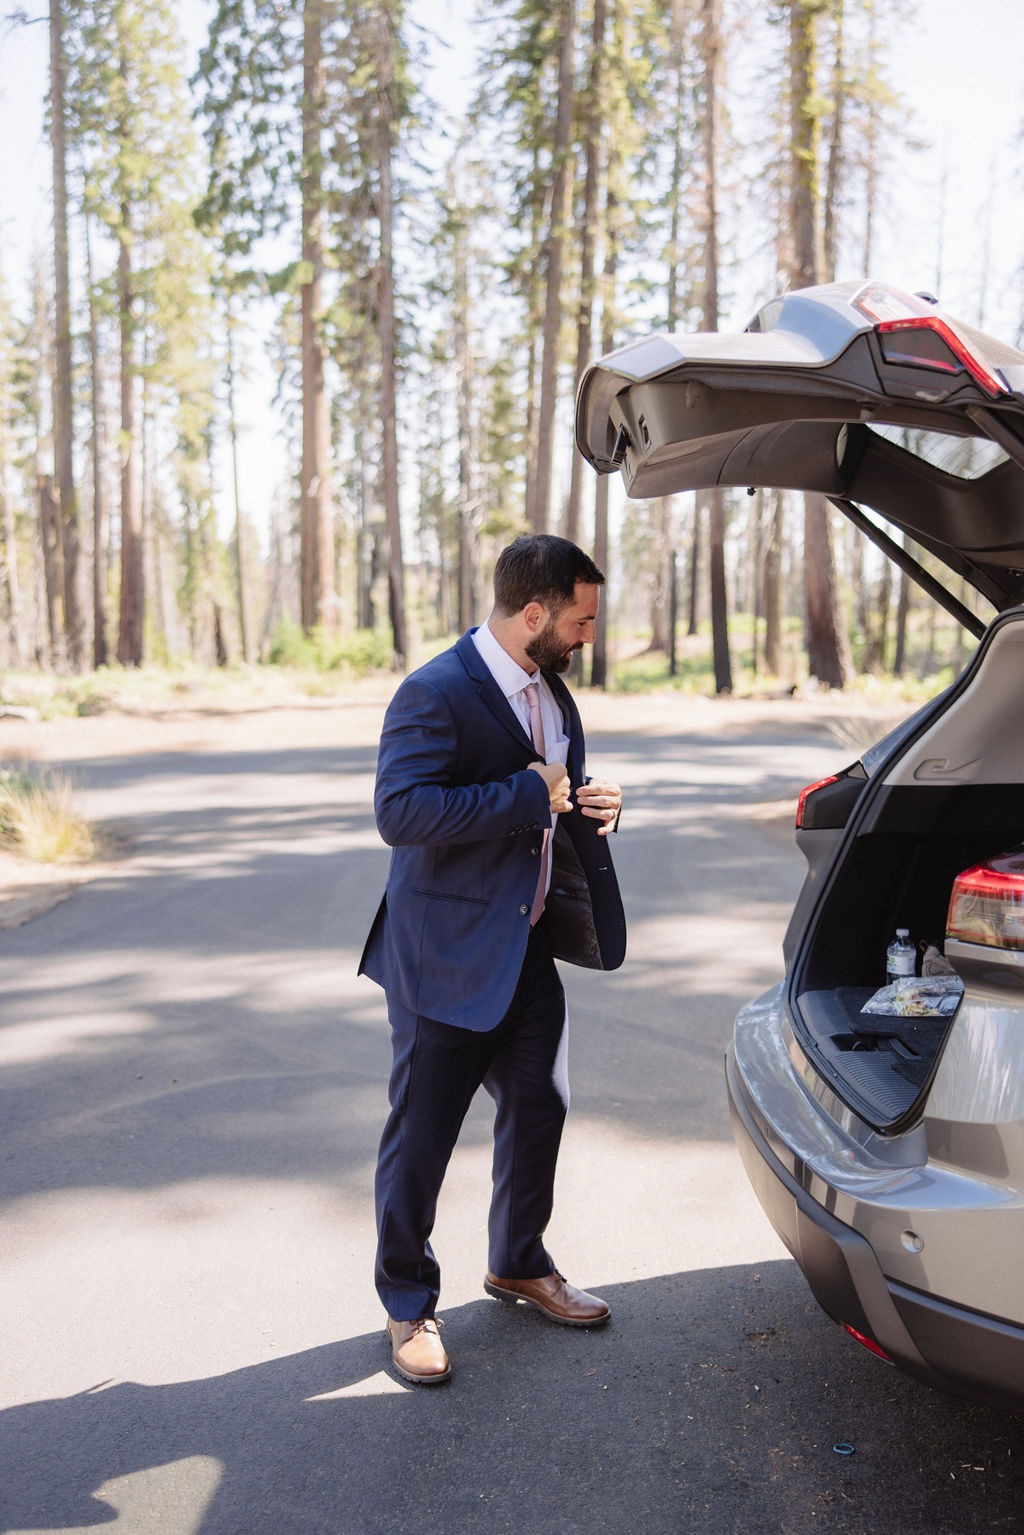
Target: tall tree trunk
{"type": "Point", "coordinates": [773, 586]}
{"type": "Point", "coordinates": [100, 517]}
{"type": "Point", "coordinates": [318, 601]}
{"type": "Point", "coordinates": [660, 556]}
{"type": "Point", "coordinates": [588, 240]}
{"type": "Point", "coordinates": [599, 662]}
{"type": "Point", "coordinates": [711, 55]}
{"type": "Point", "coordinates": [240, 594]}
{"type": "Point", "coordinates": [554, 247]}
{"type": "Point", "coordinates": [899, 659]}
{"type": "Point", "coordinates": [828, 651]}
{"type": "Point", "coordinates": [467, 499]}
{"type": "Point", "coordinates": [693, 589]}
{"type": "Point", "coordinates": [10, 566]}
{"type": "Point", "coordinates": [828, 646]}
{"type": "Point", "coordinates": [835, 168]}
{"type": "Point", "coordinates": [63, 424]}
{"type": "Point", "coordinates": [806, 262]}
{"type": "Point", "coordinates": [533, 323]}
{"type": "Point", "coordinates": [665, 514]}
{"type": "Point", "coordinates": [133, 585]}
{"type": "Point", "coordinates": [386, 321]}
{"type": "Point", "coordinates": [49, 538]}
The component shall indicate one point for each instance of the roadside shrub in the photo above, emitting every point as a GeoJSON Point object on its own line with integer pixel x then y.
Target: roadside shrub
{"type": "Point", "coordinates": [38, 818]}
{"type": "Point", "coordinates": [360, 653]}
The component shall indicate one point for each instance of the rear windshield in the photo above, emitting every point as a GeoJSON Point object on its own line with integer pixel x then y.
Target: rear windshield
{"type": "Point", "coordinates": [968, 458]}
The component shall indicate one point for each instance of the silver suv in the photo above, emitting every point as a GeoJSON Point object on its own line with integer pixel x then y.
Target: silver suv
{"type": "Point", "coordinates": [882, 1126]}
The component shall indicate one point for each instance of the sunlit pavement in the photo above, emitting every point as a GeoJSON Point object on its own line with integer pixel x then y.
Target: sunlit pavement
{"type": "Point", "coordinates": [192, 1090]}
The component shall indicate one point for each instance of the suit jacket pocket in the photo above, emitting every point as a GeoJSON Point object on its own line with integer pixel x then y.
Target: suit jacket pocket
{"type": "Point", "coordinates": [450, 895]}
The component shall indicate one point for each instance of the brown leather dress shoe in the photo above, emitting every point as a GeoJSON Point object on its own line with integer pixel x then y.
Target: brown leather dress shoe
{"type": "Point", "coordinates": [417, 1352]}
{"type": "Point", "coordinates": [560, 1301]}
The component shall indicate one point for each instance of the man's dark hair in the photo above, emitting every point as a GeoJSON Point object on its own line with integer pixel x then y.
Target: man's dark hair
{"type": "Point", "coordinates": [538, 567]}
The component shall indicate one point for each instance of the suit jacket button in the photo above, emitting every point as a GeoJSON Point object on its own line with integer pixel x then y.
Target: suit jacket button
{"type": "Point", "coordinates": [523, 911]}
{"type": "Point", "coordinates": [535, 851]}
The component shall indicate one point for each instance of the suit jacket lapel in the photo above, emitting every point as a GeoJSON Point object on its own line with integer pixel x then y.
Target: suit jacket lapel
{"type": "Point", "coordinates": [489, 691]}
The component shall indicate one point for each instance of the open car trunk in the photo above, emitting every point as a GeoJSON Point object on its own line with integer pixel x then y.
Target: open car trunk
{"type": "Point", "coordinates": [877, 400]}
{"type": "Point", "coordinates": [949, 794]}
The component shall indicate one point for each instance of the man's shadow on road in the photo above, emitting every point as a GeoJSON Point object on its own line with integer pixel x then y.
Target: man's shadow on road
{"type": "Point", "coordinates": [712, 1402]}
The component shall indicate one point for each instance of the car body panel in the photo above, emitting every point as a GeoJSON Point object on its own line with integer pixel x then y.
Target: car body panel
{"type": "Point", "coordinates": [894, 1192]}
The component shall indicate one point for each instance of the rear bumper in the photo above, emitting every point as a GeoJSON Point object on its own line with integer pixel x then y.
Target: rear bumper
{"type": "Point", "coordinates": [946, 1346]}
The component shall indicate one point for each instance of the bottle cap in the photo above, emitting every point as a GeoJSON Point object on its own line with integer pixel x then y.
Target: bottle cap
{"type": "Point", "coordinates": [903, 932]}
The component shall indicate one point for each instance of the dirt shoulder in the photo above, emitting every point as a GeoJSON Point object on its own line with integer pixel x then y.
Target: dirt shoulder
{"type": "Point", "coordinates": [253, 717]}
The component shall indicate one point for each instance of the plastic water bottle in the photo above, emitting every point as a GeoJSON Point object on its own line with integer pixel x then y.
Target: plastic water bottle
{"type": "Point", "coordinates": [900, 958]}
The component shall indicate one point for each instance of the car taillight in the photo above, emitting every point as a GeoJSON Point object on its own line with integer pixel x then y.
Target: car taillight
{"type": "Point", "coordinates": [805, 794]}
{"type": "Point", "coordinates": [987, 904]}
{"type": "Point", "coordinates": [925, 341]}
{"type": "Point", "coordinates": [868, 1343]}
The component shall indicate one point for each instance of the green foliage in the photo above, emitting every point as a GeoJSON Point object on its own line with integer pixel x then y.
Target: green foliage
{"type": "Point", "coordinates": [357, 654]}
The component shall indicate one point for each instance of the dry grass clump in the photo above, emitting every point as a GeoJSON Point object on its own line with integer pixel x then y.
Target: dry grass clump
{"type": "Point", "coordinates": [38, 818]}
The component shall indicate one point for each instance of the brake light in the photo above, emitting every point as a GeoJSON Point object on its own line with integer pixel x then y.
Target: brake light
{"type": "Point", "coordinates": [926, 341]}
{"type": "Point", "coordinates": [805, 794]}
{"type": "Point", "coordinates": [868, 1343]}
{"type": "Point", "coordinates": [987, 904]}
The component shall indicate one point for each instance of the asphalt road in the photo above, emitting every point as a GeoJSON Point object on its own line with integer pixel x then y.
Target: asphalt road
{"type": "Point", "coordinates": [192, 1090]}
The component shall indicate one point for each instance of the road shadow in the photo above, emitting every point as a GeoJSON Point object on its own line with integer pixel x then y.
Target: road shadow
{"type": "Point", "coordinates": [699, 1409]}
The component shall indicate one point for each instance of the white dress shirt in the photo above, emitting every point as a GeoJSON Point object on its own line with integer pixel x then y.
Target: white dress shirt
{"type": "Point", "coordinates": [513, 680]}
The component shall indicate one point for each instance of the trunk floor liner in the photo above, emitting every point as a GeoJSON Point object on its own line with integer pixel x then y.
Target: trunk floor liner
{"type": "Point", "coordinates": [886, 1060]}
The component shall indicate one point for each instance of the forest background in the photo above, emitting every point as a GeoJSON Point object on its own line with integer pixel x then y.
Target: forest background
{"type": "Point", "coordinates": [294, 295]}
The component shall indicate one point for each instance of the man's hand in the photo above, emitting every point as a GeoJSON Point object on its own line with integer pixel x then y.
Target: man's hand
{"type": "Point", "coordinates": [557, 780]}
{"type": "Point", "coordinates": [602, 801]}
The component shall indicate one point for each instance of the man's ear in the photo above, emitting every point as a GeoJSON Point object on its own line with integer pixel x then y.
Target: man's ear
{"type": "Point", "coordinates": [534, 615]}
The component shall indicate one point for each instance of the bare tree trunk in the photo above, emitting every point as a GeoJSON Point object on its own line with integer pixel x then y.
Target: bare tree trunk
{"type": "Point", "coordinates": [240, 539]}
{"type": "Point", "coordinates": [719, 608]}
{"type": "Point", "coordinates": [386, 323]}
{"type": "Point", "coordinates": [599, 662]}
{"type": "Point", "coordinates": [828, 646]}
{"type": "Point", "coordinates": [806, 261]}
{"type": "Point", "coordinates": [318, 600]}
{"type": "Point", "coordinates": [899, 659]}
{"type": "Point", "coordinates": [711, 55]}
{"type": "Point", "coordinates": [588, 240]}
{"type": "Point", "coordinates": [834, 173]}
{"type": "Point", "coordinates": [773, 587]}
{"type": "Point", "coordinates": [100, 517]}
{"type": "Point", "coordinates": [133, 585]}
{"type": "Point", "coordinates": [63, 425]}
{"type": "Point", "coordinates": [666, 512]}
{"type": "Point", "coordinates": [827, 643]}
{"type": "Point", "coordinates": [693, 602]}
{"type": "Point", "coordinates": [660, 557]}
{"type": "Point", "coordinates": [11, 568]}
{"type": "Point", "coordinates": [468, 598]}
{"type": "Point", "coordinates": [49, 538]}
{"type": "Point", "coordinates": [554, 247]}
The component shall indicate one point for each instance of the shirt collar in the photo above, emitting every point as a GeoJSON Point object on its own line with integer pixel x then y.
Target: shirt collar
{"type": "Point", "coordinates": [508, 674]}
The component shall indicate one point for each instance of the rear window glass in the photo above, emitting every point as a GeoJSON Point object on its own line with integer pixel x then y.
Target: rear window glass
{"type": "Point", "coordinates": [968, 458]}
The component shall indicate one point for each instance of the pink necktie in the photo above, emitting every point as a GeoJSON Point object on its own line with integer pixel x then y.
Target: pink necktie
{"type": "Point", "coordinates": [532, 692]}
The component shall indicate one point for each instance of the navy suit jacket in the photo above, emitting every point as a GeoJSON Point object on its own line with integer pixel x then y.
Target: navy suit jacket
{"type": "Point", "coordinates": [464, 815]}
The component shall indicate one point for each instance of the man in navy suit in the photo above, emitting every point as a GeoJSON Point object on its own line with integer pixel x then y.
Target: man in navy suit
{"type": "Point", "coordinates": [500, 865]}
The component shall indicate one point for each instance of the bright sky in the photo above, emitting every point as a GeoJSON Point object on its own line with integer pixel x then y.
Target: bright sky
{"type": "Point", "coordinates": [959, 67]}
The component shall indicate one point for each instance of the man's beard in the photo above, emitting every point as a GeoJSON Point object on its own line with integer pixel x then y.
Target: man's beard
{"type": "Point", "coordinates": [550, 652]}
